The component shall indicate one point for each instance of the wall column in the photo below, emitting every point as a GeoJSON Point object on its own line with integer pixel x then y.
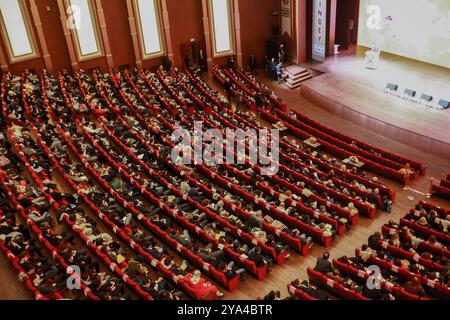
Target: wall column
{"type": "Point", "coordinates": [207, 33]}
{"type": "Point", "coordinates": [3, 62]}
{"type": "Point", "coordinates": [134, 34]}
{"type": "Point", "coordinates": [68, 36]}
{"type": "Point", "coordinates": [41, 36]}
{"type": "Point", "coordinates": [237, 28]}
{"type": "Point", "coordinates": [167, 35]}
{"type": "Point", "coordinates": [301, 42]}
{"type": "Point", "coordinates": [331, 26]}
{"type": "Point", "coordinates": [104, 32]}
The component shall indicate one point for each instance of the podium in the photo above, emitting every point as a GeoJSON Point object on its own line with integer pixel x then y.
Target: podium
{"type": "Point", "coordinates": [372, 59]}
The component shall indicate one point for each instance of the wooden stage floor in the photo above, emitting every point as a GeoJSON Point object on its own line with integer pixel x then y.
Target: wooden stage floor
{"type": "Point", "coordinates": [356, 93]}
{"type": "Point", "coordinates": [410, 123]}
{"type": "Point", "coordinates": [407, 73]}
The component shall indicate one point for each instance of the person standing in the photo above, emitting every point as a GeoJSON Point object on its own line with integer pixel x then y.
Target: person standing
{"type": "Point", "coordinates": [267, 67]}
{"type": "Point", "coordinates": [259, 100]}
{"type": "Point", "coordinates": [281, 54]}
{"type": "Point", "coordinates": [202, 61]}
{"type": "Point", "coordinates": [227, 87]}
{"type": "Point", "coordinates": [252, 64]}
{"type": "Point", "coordinates": [273, 72]}
{"type": "Point", "coordinates": [239, 104]}
{"type": "Point", "coordinates": [279, 73]}
{"type": "Point", "coordinates": [231, 62]}
{"type": "Point", "coordinates": [167, 63]}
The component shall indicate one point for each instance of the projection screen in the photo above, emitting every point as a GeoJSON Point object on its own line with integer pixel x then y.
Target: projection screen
{"type": "Point", "coordinates": [416, 29]}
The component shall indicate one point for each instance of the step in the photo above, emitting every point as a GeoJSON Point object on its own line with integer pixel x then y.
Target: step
{"type": "Point", "coordinates": [297, 83]}
{"type": "Point", "coordinates": [294, 75]}
{"type": "Point", "coordinates": [297, 80]}
{"type": "Point", "coordinates": [295, 70]}
{"type": "Point", "coordinates": [297, 76]}
{"type": "Point", "coordinates": [292, 87]}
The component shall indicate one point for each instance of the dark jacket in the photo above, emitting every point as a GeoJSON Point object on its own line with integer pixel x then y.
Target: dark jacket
{"type": "Point", "coordinates": [258, 259]}
{"type": "Point", "coordinates": [323, 265]}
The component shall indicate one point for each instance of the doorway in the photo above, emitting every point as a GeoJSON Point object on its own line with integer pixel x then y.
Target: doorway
{"type": "Point", "coordinates": [347, 22]}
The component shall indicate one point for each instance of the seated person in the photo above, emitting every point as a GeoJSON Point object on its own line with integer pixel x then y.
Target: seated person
{"type": "Point", "coordinates": [323, 264]}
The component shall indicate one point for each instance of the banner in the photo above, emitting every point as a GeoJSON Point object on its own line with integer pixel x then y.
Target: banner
{"type": "Point", "coordinates": [319, 29]}
{"type": "Point", "coordinates": [286, 18]}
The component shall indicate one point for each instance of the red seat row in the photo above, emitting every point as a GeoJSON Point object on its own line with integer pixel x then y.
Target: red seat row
{"type": "Point", "coordinates": [383, 189]}
{"type": "Point", "coordinates": [258, 272]}
{"type": "Point", "coordinates": [100, 254]}
{"type": "Point", "coordinates": [435, 286]}
{"type": "Point", "coordinates": [336, 288]}
{"type": "Point", "coordinates": [422, 245]}
{"type": "Point", "coordinates": [362, 154]}
{"type": "Point", "coordinates": [302, 295]}
{"type": "Point", "coordinates": [442, 192]}
{"type": "Point", "coordinates": [362, 145]}
{"type": "Point", "coordinates": [285, 237]}
{"type": "Point", "coordinates": [349, 140]}
{"type": "Point", "coordinates": [220, 276]}
{"type": "Point", "coordinates": [341, 152]}
{"type": "Point", "coordinates": [385, 167]}
{"type": "Point", "coordinates": [25, 278]}
{"type": "Point", "coordinates": [269, 190]}
{"type": "Point", "coordinates": [395, 290]}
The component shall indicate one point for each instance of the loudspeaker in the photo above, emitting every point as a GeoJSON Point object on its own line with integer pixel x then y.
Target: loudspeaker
{"type": "Point", "coordinates": [410, 92]}
{"type": "Point", "coordinates": [392, 87]}
{"type": "Point", "coordinates": [426, 98]}
{"type": "Point", "coordinates": [444, 104]}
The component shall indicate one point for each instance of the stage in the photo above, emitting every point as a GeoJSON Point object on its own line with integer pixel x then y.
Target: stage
{"type": "Point", "coordinates": [409, 123]}
{"type": "Point", "coordinates": [407, 73]}
{"type": "Point", "coordinates": [355, 93]}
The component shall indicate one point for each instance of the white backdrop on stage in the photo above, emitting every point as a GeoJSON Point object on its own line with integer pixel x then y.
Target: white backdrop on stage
{"type": "Point", "coordinates": [417, 29]}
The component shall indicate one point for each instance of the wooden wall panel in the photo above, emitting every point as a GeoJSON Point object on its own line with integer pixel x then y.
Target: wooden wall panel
{"type": "Point", "coordinates": [104, 33]}
{"type": "Point", "coordinates": [151, 63]}
{"type": "Point", "coordinates": [347, 10]}
{"type": "Point", "coordinates": [54, 34]}
{"type": "Point", "coordinates": [185, 24]}
{"type": "Point", "coordinates": [302, 39]}
{"type": "Point", "coordinates": [118, 28]}
{"type": "Point", "coordinates": [184, 21]}
{"type": "Point", "coordinates": [309, 9]}
{"type": "Point", "coordinates": [331, 26]}
{"type": "Point", "coordinates": [256, 26]}
{"type": "Point", "coordinates": [36, 18]}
